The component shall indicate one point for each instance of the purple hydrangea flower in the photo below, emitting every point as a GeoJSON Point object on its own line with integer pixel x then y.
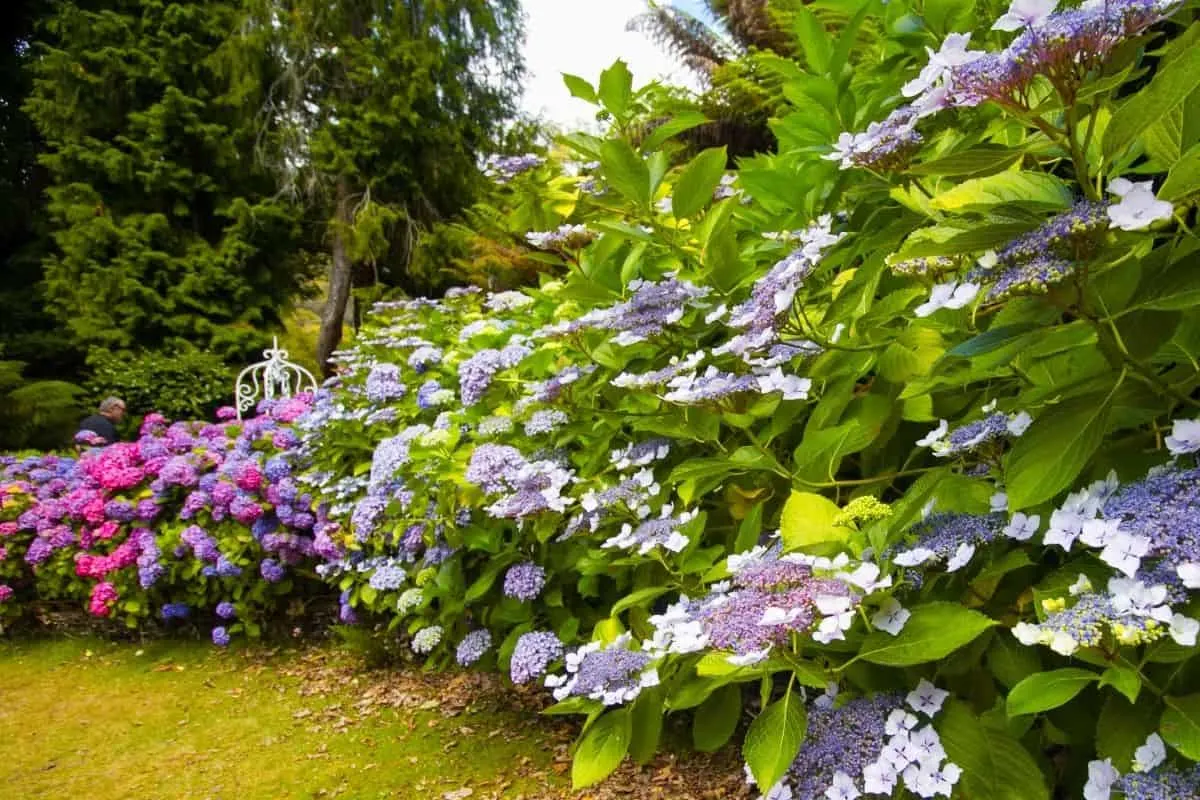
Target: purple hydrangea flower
{"type": "Point", "coordinates": [271, 570]}
{"type": "Point", "coordinates": [524, 582]}
{"type": "Point", "coordinates": [226, 610]}
{"type": "Point", "coordinates": [220, 636]}
{"type": "Point", "coordinates": [473, 646]}
{"type": "Point", "coordinates": [533, 654]}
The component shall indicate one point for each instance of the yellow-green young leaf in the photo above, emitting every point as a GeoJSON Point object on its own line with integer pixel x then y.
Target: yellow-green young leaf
{"type": "Point", "coordinates": [578, 87]}
{"type": "Point", "coordinates": [934, 631]}
{"type": "Point", "coordinates": [672, 127]}
{"type": "Point", "coordinates": [694, 189]}
{"type": "Point", "coordinates": [774, 739]}
{"type": "Point", "coordinates": [602, 748]}
{"type": "Point", "coordinates": [607, 630]}
{"type": "Point", "coordinates": [1006, 187]}
{"type": "Point", "coordinates": [717, 718]}
{"type": "Point", "coordinates": [1180, 725]}
{"type": "Point", "coordinates": [1043, 691]}
{"type": "Point", "coordinates": [808, 519]}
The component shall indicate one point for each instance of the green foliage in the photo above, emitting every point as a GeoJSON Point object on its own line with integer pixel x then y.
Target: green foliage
{"type": "Point", "coordinates": [165, 230]}
{"type": "Point", "coordinates": [180, 384]}
{"type": "Point", "coordinates": [36, 414]}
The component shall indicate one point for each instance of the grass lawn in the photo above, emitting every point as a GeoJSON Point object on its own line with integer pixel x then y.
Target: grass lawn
{"type": "Point", "coordinates": [89, 718]}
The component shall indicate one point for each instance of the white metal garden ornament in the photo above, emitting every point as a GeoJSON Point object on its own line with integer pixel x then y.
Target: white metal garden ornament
{"type": "Point", "coordinates": [273, 379]}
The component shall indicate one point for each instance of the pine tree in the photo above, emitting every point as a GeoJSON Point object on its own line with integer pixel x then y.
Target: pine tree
{"type": "Point", "coordinates": [165, 228]}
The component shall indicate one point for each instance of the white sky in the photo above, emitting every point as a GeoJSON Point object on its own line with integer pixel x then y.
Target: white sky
{"type": "Point", "coordinates": [583, 37]}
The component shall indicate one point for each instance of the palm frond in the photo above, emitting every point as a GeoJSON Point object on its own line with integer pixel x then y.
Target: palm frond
{"type": "Point", "coordinates": [683, 36]}
{"type": "Point", "coordinates": [752, 24]}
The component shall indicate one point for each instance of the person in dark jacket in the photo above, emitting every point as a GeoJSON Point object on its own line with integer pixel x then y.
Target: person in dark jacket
{"type": "Point", "coordinates": [104, 422]}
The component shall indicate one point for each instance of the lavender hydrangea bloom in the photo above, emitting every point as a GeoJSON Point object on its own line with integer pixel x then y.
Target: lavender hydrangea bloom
{"type": "Point", "coordinates": [220, 636]}
{"type": "Point", "coordinates": [476, 373]}
{"type": "Point", "coordinates": [1163, 508]}
{"type": "Point", "coordinates": [652, 308]}
{"type": "Point", "coordinates": [533, 654]}
{"type": "Point", "coordinates": [473, 647]}
{"type": "Point", "coordinates": [494, 466]}
{"type": "Point", "coordinates": [503, 169]}
{"type": "Point", "coordinates": [545, 421]}
{"type": "Point", "coordinates": [563, 237]}
{"type": "Point", "coordinates": [950, 539]}
{"type": "Point", "coordinates": [524, 581]}
{"type": "Point", "coordinates": [367, 514]}
{"type": "Point", "coordinates": [387, 577]}
{"type": "Point", "coordinates": [226, 610]}
{"type": "Point", "coordinates": [384, 384]}
{"type": "Point", "coordinates": [612, 674]}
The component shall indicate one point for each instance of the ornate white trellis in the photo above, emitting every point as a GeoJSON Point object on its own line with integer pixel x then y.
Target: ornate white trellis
{"type": "Point", "coordinates": [272, 379]}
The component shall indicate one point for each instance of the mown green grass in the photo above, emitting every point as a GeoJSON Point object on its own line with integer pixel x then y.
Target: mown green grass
{"type": "Point", "coordinates": [92, 719]}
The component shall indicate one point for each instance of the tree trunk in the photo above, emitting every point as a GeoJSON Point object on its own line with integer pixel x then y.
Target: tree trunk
{"type": "Point", "coordinates": [340, 279]}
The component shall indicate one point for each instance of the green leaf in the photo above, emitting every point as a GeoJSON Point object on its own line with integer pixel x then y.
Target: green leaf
{"type": "Point", "coordinates": [1169, 88]}
{"type": "Point", "coordinates": [602, 748]}
{"type": "Point", "coordinates": [995, 765]}
{"type": "Point", "coordinates": [1124, 680]}
{"type": "Point", "coordinates": [717, 718]}
{"type": "Point", "coordinates": [694, 189]}
{"type": "Point", "coordinates": [684, 121]}
{"type": "Point", "coordinates": [807, 519]}
{"type": "Point", "coordinates": [1010, 661]}
{"type": "Point", "coordinates": [578, 87]}
{"type": "Point", "coordinates": [813, 38]}
{"type": "Point", "coordinates": [934, 631]}
{"type": "Point", "coordinates": [969, 163]}
{"type": "Point", "coordinates": [640, 597]}
{"type": "Point", "coordinates": [1043, 691]}
{"type": "Point", "coordinates": [1007, 187]}
{"type": "Point", "coordinates": [647, 724]}
{"type": "Point", "coordinates": [1122, 728]}
{"type": "Point", "coordinates": [626, 171]}
{"type": "Point", "coordinates": [774, 739]}
{"type": "Point", "coordinates": [1184, 178]}
{"type": "Point", "coordinates": [616, 88]}
{"type": "Point", "coordinates": [1180, 724]}
{"type": "Point", "coordinates": [1054, 450]}
{"type": "Point", "coordinates": [991, 339]}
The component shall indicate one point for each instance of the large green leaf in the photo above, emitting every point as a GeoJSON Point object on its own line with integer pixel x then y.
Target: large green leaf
{"type": "Point", "coordinates": [1043, 691]}
{"type": "Point", "coordinates": [969, 163]}
{"type": "Point", "coordinates": [1184, 178]}
{"type": "Point", "coordinates": [616, 88]}
{"type": "Point", "coordinates": [1169, 88]}
{"type": "Point", "coordinates": [696, 184]}
{"type": "Point", "coordinates": [717, 718]}
{"type": "Point", "coordinates": [676, 125]}
{"type": "Point", "coordinates": [1005, 187]}
{"type": "Point", "coordinates": [602, 748]}
{"type": "Point", "coordinates": [934, 631]}
{"type": "Point", "coordinates": [1054, 450]}
{"type": "Point", "coordinates": [578, 87]}
{"type": "Point", "coordinates": [995, 765]}
{"type": "Point", "coordinates": [774, 739]}
{"type": "Point", "coordinates": [1180, 725]}
{"type": "Point", "coordinates": [1121, 728]}
{"type": "Point", "coordinates": [647, 725]}
{"type": "Point", "coordinates": [626, 171]}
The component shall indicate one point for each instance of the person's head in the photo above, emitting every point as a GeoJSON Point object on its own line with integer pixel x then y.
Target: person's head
{"type": "Point", "coordinates": [113, 408]}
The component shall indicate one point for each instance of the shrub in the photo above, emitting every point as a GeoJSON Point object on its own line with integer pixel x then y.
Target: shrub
{"type": "Point", "coordinates": [180, 384]}
{"type": "Point", "coordinates": [36, 414]}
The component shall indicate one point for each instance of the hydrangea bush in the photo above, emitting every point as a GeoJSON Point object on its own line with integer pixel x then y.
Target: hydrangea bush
{"type": "Point", "coordinates": [893, 426]}
{"type": "Point", "coordinates": [192, 521]}
{"type": "Point", "coordinates": [886, 441]}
